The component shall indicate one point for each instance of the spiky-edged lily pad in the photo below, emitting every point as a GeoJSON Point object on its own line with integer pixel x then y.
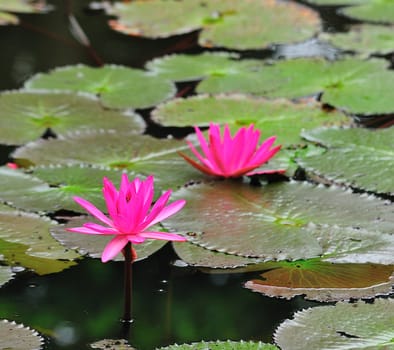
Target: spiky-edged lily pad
{"type": "Point", "coordinates": [234, 24]}
{"type": "Point", "coordinates": [322, 281]}
{"type": "Point", "coordinates": [195, 255]}
{"type": "Point", "coordinates": [17, 336]}
{"type": "Point", "coordinates": [117, 86]}
{"type": "Point", "coordinates": [31, 231]}
{"type": "Point", "coordinates": [51, 188]}
{"type": "Point", "coordinates": [93, 245]}
{"type": "Point", "coordinates": [111, 344]}
{"type": "Point", "coordinates": [26, 116]}
{"type": "Point", "coordinates": [6, 274]}
{"type": "Point", "coordinates": [366, 39]}
{"type": "Point", "coordinates": [140, 155]}
{"type": "Point", "coordinates": [274, 117]}
{"type": "Point", "coordinates": [342, 326]}
{"type": "Point", "coordinates": [282, 220]}
{"type": "Point", "coordinates": [222, 345]}
{"type": "Point", "coordinates": [356, 157]}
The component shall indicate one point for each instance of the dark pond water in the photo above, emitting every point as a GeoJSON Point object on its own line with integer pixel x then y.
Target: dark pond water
{"type": "Point", "coordinates": [83, 304]}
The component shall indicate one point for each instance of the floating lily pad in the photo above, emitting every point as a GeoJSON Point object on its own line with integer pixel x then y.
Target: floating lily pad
{"type": "Point", "coordinates": [342, 326]}
{"type": "Point", "coordinates": [273, 117]}
{"type": "Point", "coordinates": [21, 6]}
{"type": "Point", "coordinates": [222, 345]}
{"type": "Point", "coordinates": [7, 18]}
{"type": "Point", "coordinates": [322, 281]}
{"type": "Point", "coordinates": [51, 188]}
{"type": "Point", "coordinates": [26, 116]}
{"type": "Point", "coordinates": [111, 344]}
{"type": "Point", "coordinates": [6, 274]}
{"type": "Point", "coordinates": [195, 255]}
{"type": "Point", "coordinates": [365, 39]}
{"type": "Point", "coordinates": [116, 86]}
{"type": "Point", "coordinates": [17, 336]}
{"type": "Point", "coordinates": [32, 231]}
{"type": "Point", "coordinates": [140, 155]}
{"type": "Point", "coordinates": [280, 221]}
{"type": "Point", "coordinates": [93, 245]}
{"type": "Point", "coordinates": [356, 157]}
{"type": "Point", "coordinates": [233, 24]}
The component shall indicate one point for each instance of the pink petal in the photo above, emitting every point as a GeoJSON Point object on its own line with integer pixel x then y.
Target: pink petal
{"type": "Point", "coordinates": [163, 236]}
{"type": "Point", "coordinates": [269, 171]}
{"type": "Point", "coordinates": [84, 230]}
{"type": "Point", "coordinates": [89, 207]}
{"type": "Point", "coordinates": [198, 166]}
{"type": "Point", "coordinates": [136, 239]}
{"type": "Point", "coordinates": [110, 195]}
{"type": "Point", "coordinates": [100, 229]}
{"type": "Point", "coordinates": [114, 247]}
{"type": "Point", "coordinates": [169, 210]}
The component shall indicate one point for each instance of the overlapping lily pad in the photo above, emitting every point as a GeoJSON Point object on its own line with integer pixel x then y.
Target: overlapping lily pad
{"type": "Point", "coordinates": [284, 221]}
{"type": "Point", "coordinates": [140, 155]}
{"type": "Point", "coordinates": [233, 24]}
{"type": "Point", "coordinates": [17, 336]}
{"type": "Point", "coordinates": [116, 86]}
{"type": "Point", "coordinates": [26, 116]}
{"type": "Point", "coordinates": [365, 39]}
{"type": "Point", "coordinates": [24, 234]}
{"type": "Point", "coordinates": [322, 281]}
{"type": "Point", "coordinates": [93, 245]}
{"type": "Point", "coordinates": [51, 188]}
{"type": "Point", "coordinates": [343, 326]}
{"type": "Point", "coordinates": [274, 117]}
{"type": "Point", "coordinates": [19, 6]}
{"type": "Point", "coordinates": [222, 345]}
{"type": "Point", "coordinates": [356, 157]}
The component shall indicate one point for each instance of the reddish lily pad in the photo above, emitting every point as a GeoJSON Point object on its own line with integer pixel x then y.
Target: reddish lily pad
{"type": "Point", "coordinates": [116, 86]}
{"type": "Point", "coordinates": [322, 281]}
{"type": "Point", "coordinates": [355, 157]}
{"type": "Point", "coordinates": [26, 116]}
{"type": "Point", "coordinates": [93, 245]}
{"type": "Point", "coordinates": [256, 23]}
{"type": "Point", "coordinates": [17, 336]}
{"type": "Point", "coordinates": [344, 325]}
{"type": "Point", "coordinates": [283, 220]}
{"type": "Point", "coordinates": [279, 117]}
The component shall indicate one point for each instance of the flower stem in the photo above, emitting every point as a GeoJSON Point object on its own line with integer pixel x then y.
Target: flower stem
{"type": "Point", "coordinates": [128, 261]}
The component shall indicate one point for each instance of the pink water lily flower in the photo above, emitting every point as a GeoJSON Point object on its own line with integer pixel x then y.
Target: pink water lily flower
{"type": "Point", "coordinates": [232, 156]}
{"type": "Point", "coordinates": [130, 214]}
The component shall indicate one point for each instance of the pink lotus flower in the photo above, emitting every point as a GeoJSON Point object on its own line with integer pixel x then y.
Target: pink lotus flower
{"type": "Point", "coordinates": [130, 214]}
{"type": "Point", "coordinates": [235, 156]}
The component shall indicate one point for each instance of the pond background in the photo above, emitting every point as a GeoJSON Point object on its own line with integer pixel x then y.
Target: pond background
{"type": "Point", "coordinates": [84, 303]}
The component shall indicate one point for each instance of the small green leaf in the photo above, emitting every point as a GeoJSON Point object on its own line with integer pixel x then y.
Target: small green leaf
{"type": "Point", "coordinates": [342, 326]}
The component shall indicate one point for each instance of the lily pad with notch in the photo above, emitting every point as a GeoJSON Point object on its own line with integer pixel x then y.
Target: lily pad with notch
{"type": "Point", "coordinates": [345, 325]}
{"type": "Point", "coordinates": [356, 157]}
{"type": "Point", "coordinates": [27, 115]}
{"type": "Point", "coordinates": [116, 86]}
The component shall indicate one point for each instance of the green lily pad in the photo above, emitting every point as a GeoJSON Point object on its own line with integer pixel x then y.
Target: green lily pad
{"type": "Point", "coordinates": [322, 281]}
{"type": "Point", "coordinates": [222, 345]}
{"type": "Point", "coordinates": [32, 231]}
{"type": "Point", "coordinates": [26, 116]}
{"type": "Point", "coordinates": [116, 86]}
{"type": "Point", "coordinates": [17, 336]}
{"type": "Point", "coordinates": [365, 39]}
{"type": "Point", "coordinates": [281, 117]}
{"type": "Point", "coordinates": [233, 24]}
{"type": "Point", "coordinates": [111, 344]}
{"type": "Point", "coordinates": [7, 18]}
{"type": "Point", "coordinates": [6, 275]}
{"type": "Point", "coordinates": [22, 6]}
{"type": "Point", "coordinates": [195, 255]}
{"type": "Point", "coordinates": [93, 245]}
{"type": "Point", "coordinates": [356, 157]}
{"type": "Point", "coordinates": [49, 189]}
{"type": "Point", "coordinates": [16, 254]}
{"type": "Point", "coordinates": [371, 10]}
{"type": "Point", "coordinates": [342, 326]}
{"type": "Point", "coordinates": [282, 221]}
{"type": "Point", "coordinates": [140, 155]}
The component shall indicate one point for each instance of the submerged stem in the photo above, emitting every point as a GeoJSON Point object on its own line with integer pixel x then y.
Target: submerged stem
{"type": "Point", "coordinates": [128, 261]}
